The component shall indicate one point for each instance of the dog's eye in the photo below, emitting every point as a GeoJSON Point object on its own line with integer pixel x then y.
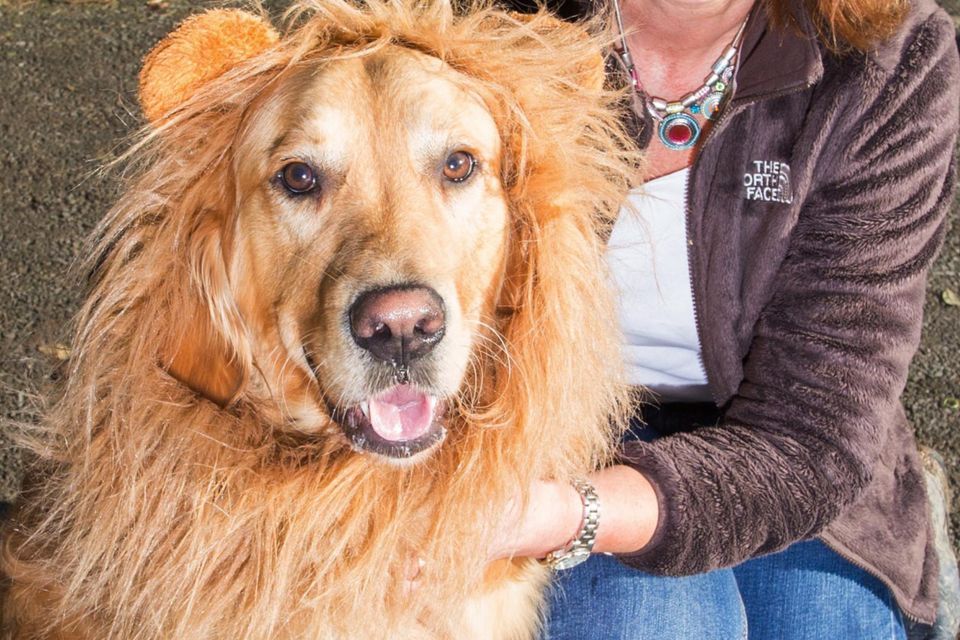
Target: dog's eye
{"type": "Point", "coordinates": [298, 178]}
{"type": "Point", "coordinates": [459, 166]}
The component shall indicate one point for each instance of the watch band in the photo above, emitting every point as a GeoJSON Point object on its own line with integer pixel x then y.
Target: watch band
{"type": "Point", "coordinates": [580, 548]}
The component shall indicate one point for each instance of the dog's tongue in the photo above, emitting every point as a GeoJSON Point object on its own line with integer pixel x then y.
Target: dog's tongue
{"type": "Point", "coordinates": [402, 413]}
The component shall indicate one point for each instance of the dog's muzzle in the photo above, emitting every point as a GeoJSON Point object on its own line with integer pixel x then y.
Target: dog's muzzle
{"type": "Point", "coordinates": [397, 326]}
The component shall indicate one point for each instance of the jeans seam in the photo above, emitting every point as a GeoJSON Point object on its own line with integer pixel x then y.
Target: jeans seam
{"type": "Point", "coordinates": [896, 619]}
{"type": "Point", "coordinates": [744, 623]}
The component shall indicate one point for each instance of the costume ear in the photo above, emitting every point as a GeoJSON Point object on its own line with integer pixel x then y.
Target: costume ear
{"type": "Point", "coordinates": [200, 49]}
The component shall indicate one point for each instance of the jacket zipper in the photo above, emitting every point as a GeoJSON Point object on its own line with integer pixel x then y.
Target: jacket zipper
{"type": "Point", "coordinates": [693, 291]}
{"type": "Point", "coordinates": [688, 215]}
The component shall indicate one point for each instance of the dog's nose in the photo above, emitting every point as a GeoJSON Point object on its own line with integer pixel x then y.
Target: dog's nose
{"type": "Point", "coordinates": [398, 324]}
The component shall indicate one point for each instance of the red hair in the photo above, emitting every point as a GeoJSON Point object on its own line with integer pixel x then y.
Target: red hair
{"type": "Point", "coordinates": [845, 25]}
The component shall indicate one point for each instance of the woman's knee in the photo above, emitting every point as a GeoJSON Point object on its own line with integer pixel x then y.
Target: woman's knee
{"type": "Point", "coordinates": [809, 592]}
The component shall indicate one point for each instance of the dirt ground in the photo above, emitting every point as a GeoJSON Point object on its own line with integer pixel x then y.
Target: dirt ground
{"type": "Point", "coordinates": [67, 102]}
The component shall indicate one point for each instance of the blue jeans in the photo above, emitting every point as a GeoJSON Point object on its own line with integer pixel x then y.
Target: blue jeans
{"type": "Point", "coordinates": [806, 592]}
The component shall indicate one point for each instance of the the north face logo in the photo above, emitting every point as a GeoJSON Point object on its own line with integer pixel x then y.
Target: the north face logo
{"type": "Point", "coordinates": [768, 181]}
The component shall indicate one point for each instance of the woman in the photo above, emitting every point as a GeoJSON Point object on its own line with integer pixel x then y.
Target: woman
{"type": "Point", "coordinates": [800, 170]}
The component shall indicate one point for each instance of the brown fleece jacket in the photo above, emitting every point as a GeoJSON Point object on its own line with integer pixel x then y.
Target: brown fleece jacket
{"type": "Point", "coordinates": [815, 208]}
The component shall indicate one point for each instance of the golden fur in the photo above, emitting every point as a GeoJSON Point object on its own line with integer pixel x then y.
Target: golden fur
{"type": "Point", "coordinates": [191, 486]}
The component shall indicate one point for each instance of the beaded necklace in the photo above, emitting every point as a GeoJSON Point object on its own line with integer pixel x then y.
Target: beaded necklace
{"type": "Point", "coordinates": [678, 128]}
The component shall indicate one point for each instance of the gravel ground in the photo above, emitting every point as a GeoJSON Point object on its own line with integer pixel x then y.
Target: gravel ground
{"type": "Point", "coordinates": [67, 101]}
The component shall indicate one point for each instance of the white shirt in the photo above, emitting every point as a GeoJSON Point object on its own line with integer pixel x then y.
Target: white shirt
{"type": "Point", "coordinates": [647, 256]}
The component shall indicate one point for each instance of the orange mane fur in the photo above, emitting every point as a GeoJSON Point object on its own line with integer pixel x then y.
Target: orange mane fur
{"type": "Point", "coordinates": [164, 515]}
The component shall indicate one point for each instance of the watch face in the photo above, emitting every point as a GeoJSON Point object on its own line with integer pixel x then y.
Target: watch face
{"type": "Point", "coordinates": [571, 560]}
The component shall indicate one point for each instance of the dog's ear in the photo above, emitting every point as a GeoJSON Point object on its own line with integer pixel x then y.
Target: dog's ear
{"type": "Point", "coordinates": [582, 77]}
{"type": "Point", "coordinates": [205, 348]}
{"type": "Point", "coordinates": [202, 360]}
{"type": "Point", "coordinates": [200, 49]}
{"type": "Point", "coordinates": [568, 166]}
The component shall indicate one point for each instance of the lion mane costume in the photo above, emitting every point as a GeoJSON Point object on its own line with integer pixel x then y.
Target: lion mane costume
{"type": "Point", "coordinates": [176, 494]}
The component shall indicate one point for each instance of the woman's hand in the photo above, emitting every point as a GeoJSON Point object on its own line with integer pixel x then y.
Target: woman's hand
{"type": "Point", "coordinates": [551, 519]}
{"type": "Point", "coordinates": [628, 516]}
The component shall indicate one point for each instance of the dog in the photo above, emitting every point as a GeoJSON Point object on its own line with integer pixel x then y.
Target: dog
{"type": "Point", "coordinates": [351, 302]}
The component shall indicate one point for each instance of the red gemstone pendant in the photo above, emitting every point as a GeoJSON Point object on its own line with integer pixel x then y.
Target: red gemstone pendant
{"type": "Point", "coordinates": [679, 131]}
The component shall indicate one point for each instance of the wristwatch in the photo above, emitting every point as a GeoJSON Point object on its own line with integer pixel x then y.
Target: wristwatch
{"type": "Point", "coordinates": [579, 549]}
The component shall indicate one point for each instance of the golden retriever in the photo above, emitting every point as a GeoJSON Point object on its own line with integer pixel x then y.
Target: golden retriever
{"type": "Point", "coordinates": [351, 302]}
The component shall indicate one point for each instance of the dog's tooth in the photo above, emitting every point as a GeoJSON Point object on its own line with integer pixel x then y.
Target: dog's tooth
{"type": "Point", "coordinates": [365, 407]}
